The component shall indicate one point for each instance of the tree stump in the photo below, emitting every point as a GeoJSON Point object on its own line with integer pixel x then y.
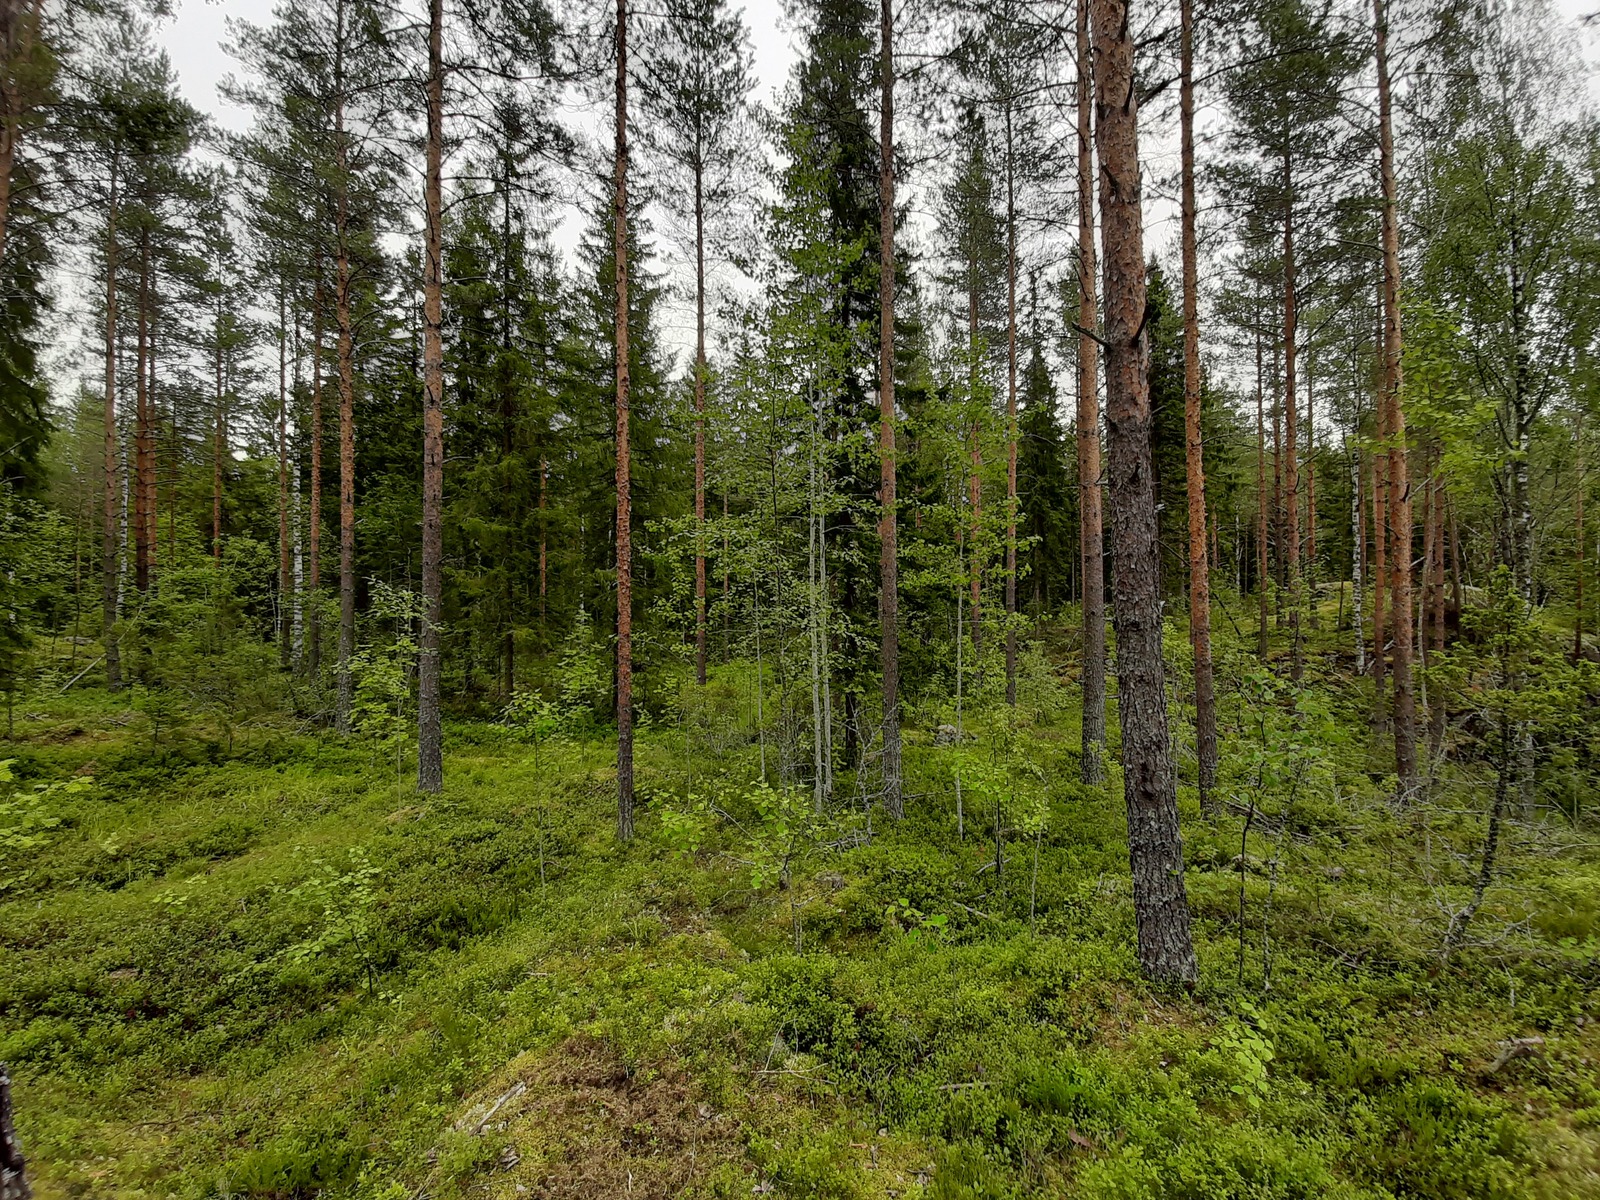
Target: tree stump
{"type": "Point", "coordinates": [13, 1178]}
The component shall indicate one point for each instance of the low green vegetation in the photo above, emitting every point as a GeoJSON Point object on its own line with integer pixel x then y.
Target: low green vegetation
{"type": "Point", "coordinates": [276, 971]}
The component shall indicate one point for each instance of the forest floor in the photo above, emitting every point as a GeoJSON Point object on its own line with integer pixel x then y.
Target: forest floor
{"type": "Point", "coordinates": [277, 971]}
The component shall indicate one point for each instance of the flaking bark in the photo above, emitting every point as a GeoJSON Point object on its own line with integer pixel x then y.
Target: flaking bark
{"type": "Point", "coordinates": [1166, 950]}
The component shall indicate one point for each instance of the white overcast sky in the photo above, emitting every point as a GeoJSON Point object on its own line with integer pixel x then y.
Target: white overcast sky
{"type": "Point", "coordinates": [193, 38]}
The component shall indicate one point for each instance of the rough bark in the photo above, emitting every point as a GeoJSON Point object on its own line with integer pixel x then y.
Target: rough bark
{"type": "Point", "coordinates": [699, 421]}
{"type": "Point", "coordinates": [347, 436]}
{"type": "Point", "coordinates": [1399, 508]}
{"type": "Point", "coordinates": [1263, 566]}
{"type": "Point", "coordinates": [13, 1168]}
{"type": "Point", "coordinates": [619, 219]}
{"type": "Point", "coordinates": [1380, 560]}
{"type": "Point", "coordinates": [314, 538]}
{"type": "Point", "coordinates": [1437, 711]}
{"type": "Point", "coordinates": [19, 27]}
{"type": "Point", "coordinates": [1578, 565]}
{"type": "Point", "coordinates": [109, 562]}
{"type": "Point", "coordinates": [1311, 505]}
{"type": "Point", "coordinates": [1011, 410]}
{"type": "Point", "coordinates": [544, 543]}
{"type": "Point", "coordinates": [975, 507]}
{"type": "Point", "coordinates": [1166, 951]}
{"type": "Point", "coordinates": [1205, 702]}
{"type": "Point", "coordinates": [889, 581]}
{"type": "Point", "coordinates": [1291, 456]}
{"type": "Point", "coordinates": [1090, 526]}
{"type": "Point", "coordinates": [285, 549]}
{"type": "Point", "coordinates": [1280, 559]}
{"type": "Point", "coordinates": [430, 736]}
{"type": "Point", "coordinates": [1357, 556]}
{"type": "Point", "coordinates": [144, 458]}
{"type": "Point", "coordinates": [219, 437]}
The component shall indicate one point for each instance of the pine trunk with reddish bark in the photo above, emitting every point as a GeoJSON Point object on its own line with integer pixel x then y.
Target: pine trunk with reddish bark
{"type": "Point", "coordinates": [143, 431]}
{"type": "Point", "coordinates": [1090, 525]}
{"type": "Point", "coordinates": [430, 734]}
{"type": "Point", "coordinates": [1205, 702]}
{"type": "Point", "coordinates": [347, 438]}
{"type": "Point", "coordinates": [219, 437]}
{"type": "Point", "coordinates": [619, 220]}
{"type": "Point", "coordinates": [314, 538]}
{"type": "Point", "coordinates": [109, 559]}
{"type": "Point", "coordinates": [699, 424]}
{"type": "Point", "coordinates": [1263, 563]}
{"type": "Point", "coordinates": [285, 548]}
{"type": "Point", "coordinates": [1380, 560]}
{"type": "Point", "coordinates": [1166, 950]}
{"type": "Point", "coordinates": [19, 28]}
{"type": "Point", "coordinates": [1011, 412]}
{"type": "Point", "coordinates": [1291, 455]}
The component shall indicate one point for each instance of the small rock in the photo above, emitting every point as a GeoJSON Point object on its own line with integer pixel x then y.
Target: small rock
{"type": "Point", "coordinates": [946, 735]}
{"type": "Point", "coordinates": [704, 1110]}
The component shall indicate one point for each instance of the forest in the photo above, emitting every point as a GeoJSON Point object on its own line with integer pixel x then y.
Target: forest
{"type": "Point", "coordinates": [930, 598]}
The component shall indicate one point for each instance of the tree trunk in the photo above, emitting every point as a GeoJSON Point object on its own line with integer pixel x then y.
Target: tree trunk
{"type": "Point", "coordinates": [1166, 952]}
{"type": "Point", "coordinates": [699, 424]}
{"type": "Point", "coordinates": [430, 734]}
{"type": "Point", "coordinates": [13, 1168]}
{"type": "Point", "coordinates": [219, 439]}
{"type": "Point", "coordinates": [1311, 504]}
{"type": "Point", "coordinates": [1577, 619]}
{"type": "Point", "coordinates": [1437, 711]}
{"type": "Point", "coordinates": [314, 540]}
{"type": "Point", "coordinates": [1380, 559]}
{"type": "Point", "coordinates": [1011, 411]}
{"type": "Point", "coordinates": [109, 547]}
{"type": "Point", "coordinates": [285, 559]}
{"type": "Point", "coordinates": [975, 504]}
{"type": "Point", "coordinates": [143, 432]}
{"type": "Point", "coordinates": [1291, 466]}
{"type": "Point", "coordinates": [347, 439]}
{"type": "Point", "coordinates": [1090, 526]}
{"type": "Point", "coordinates": [1357, 554]}
{"type": "Point", "coordinates": [19, 27]}
{"type": "Point", "coordinates": [508, 640]}
{"type": "Point", "coordinates": [619, 218]}
{"type": "Point", "coordinates": [1205, 702]}
{"type": "Point", "coordinates": [889, 583]}
{"type": "Point", "coordinates": [1263, 565]}
{"type": "Point", "coordinates": [1405, 712]}
{"type": "Point", "coordinates": [544, 468]}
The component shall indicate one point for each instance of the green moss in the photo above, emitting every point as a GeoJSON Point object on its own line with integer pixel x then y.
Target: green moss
{"type": "Point", "coordinates": [276, 974]}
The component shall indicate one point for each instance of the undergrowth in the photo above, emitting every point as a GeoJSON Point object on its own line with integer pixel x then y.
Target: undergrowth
{"type": "Point", "coordinates": [277, 972]}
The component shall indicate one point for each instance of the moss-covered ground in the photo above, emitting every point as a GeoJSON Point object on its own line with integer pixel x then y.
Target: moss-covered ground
{"type": "Point", "coordinates": [277, 971]}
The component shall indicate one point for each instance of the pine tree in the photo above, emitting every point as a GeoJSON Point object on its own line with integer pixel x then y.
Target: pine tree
{"type": "Point", "coordinates": [1205, 701]}
{"type": "Point", "coordinates": [1166, 951]}
{"type": "Point", "coordinates": [1088, 432]}
{"type": "Point", "coordinates": [695, 93]}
